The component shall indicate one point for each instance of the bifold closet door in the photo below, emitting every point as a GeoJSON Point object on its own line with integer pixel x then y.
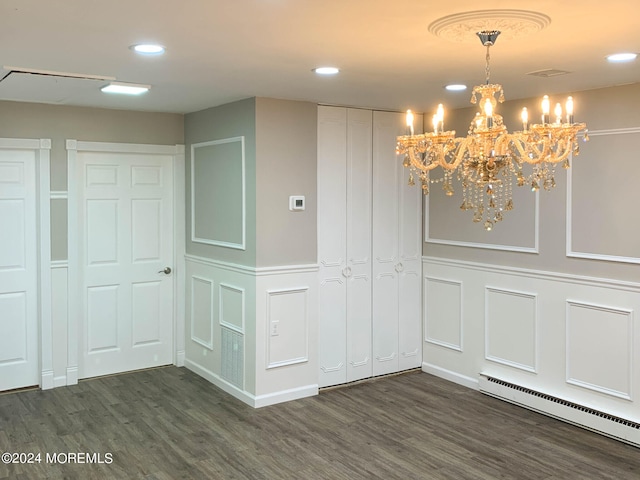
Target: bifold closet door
{"type": "Point", "coordinates": [396, 253]}
{"type": "Point", "coordinates": [358, 268]}
{"type": "Point", "coordinates": [344, 244]}
{"type": "Point", "coordinates": [332, 245]}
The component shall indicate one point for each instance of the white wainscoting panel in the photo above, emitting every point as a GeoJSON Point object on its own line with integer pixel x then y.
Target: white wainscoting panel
{"type": "Point", "coordinates": [287, 363]}
{"type": "Point", "coordinates": [511, 319]}
{"type": "Point", "coordinates": [245, 362]}
{"type": "Point", "coordinates": [287, 324]}
{"type": "Point", "coordinates": [568, 336]}
{"type": "Point", "coordinates": [443, 312]}
{"type": "Point", "coordinates": [600, 348]}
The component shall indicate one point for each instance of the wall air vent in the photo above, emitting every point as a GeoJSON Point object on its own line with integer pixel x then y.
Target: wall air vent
{"type": "Point", "coordinates": [549, 72]}
{"type": "Point", "coordinates": [592, 419]}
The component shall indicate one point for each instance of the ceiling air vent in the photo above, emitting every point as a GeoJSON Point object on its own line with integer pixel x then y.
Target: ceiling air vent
{"type": "Point", "coordinates": [550, 72]}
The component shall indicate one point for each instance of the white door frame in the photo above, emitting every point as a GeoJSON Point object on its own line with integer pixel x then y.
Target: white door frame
{"type": "Point", "coordinates": [177, 153]}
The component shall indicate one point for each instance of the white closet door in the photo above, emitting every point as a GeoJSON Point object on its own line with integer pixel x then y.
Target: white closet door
{"type": "Point", "coordinates": [410, 275]}
{"type": "Point", "coordinates": [386, 222]}
{"type": "Point", "coordinates": [18, 269]}
{"type": "Point", "coordinates": [358, 269]}
{"type": "Point", "coordinates": [397, 327]}
{"type": "Point", "coordinates": [332, 245]}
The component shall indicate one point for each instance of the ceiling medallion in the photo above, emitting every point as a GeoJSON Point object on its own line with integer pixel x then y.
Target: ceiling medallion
{"type": "Point", "coordinates": [461, 27]}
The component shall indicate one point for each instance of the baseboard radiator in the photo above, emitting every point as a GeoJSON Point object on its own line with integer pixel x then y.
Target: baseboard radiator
{"type": "Point", "coordinates": [619, 428]}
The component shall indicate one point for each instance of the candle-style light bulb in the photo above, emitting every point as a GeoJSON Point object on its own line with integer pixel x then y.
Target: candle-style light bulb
{"type": "Point", "coordinates": [525, 118]}
{"type": "Point", "coordinates": [488, 111]}
{"type": "Point", "coordinates": [440, 114]}
{"type": "Point", "coordinates": [410, 120]}
{"type": "Point", "coordinates": [569, 108]}
{"type": "Point", "coordinates": [558, 112]}
{"type": "Point", "coordinates": [545, 109]}
{"type": "Point", "coordinates": [435, 122]}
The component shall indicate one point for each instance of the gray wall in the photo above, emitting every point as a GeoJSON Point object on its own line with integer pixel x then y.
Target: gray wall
{"type": "Point", "coordinates": [59, 123]}
{"type": "Point", "coordinates": [217, 123]}
{"type": "Point", "coordinates": [286, 151]}
{"type": "Point", "coordinates": [280, 160]}
{"type": "Point", "coordinates": [612, 227]}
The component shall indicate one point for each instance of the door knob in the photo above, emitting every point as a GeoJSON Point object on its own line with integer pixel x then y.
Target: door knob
{"type": "Point", "coordinates": [166, 271]}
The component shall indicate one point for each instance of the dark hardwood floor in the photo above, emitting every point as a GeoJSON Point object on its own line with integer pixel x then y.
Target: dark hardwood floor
{"type": "Point", "coordinates": [168, 423]}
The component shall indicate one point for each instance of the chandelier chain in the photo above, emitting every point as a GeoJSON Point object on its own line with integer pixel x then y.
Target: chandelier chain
{"type": "Point", "coordinates": [487, 70]}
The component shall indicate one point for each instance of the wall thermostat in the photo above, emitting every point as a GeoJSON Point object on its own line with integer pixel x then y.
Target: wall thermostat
{"type": "Point", "coordinates": [296, 203]}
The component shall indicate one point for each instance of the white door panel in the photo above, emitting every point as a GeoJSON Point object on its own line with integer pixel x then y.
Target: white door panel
{"type": "Point", "coordinates": [332, 315]}
{"type": "Point", "coordinates": [18, 270]}
{"type": "Point", "coordinates": [358, 228]}
{"type": "Point", "coordinates": [397, 252]}
{"type": "Point", "coordinates": [332, 245]}
{"type": "Point", "coordinates": [125, 242]}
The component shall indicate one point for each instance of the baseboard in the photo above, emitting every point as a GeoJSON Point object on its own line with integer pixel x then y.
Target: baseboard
{"type": "Point", "coordinates": [60, 381]}
{"type": "Point", "coordinates": [219, 382]}
{"type": "Point", "coordinates": [180, 358]}
{"type": "Point", "coordinates": [286, 395]}
{"type": "Point", "coordinates": [72, 375]}
{"type": "Point", "coordinates": [47, 381]}
{"type": "Point", "coordinates": [251, 400]}
{"type": "Point", "coordinates": [450, 376]}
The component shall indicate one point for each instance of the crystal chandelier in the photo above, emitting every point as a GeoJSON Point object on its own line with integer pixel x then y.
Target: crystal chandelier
{"type": "Point", "coordinates": [489, 158]}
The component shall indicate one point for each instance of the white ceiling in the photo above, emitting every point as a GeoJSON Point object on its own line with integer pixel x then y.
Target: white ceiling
{"type": "Point", "coordinates": [220, 51]}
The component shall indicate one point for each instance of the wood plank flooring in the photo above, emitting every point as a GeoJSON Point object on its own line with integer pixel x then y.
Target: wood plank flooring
{"type": "Point", "coordinates": [168, 423]}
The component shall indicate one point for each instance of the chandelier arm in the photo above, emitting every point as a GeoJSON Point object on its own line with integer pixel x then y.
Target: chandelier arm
{"type": "Point", "coordinates": [565, 151]}
{"type": "Point", "coordinates": [457, 156]}
{"type": "Point", "coordinates": [523, 155]}
{"type": "Point", "coordinates": [416, 162]}
{"type": "Point", "coordinates": [451, 166]}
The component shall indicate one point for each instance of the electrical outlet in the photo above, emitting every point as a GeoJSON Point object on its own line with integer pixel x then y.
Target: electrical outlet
{"type": "Point", "coordinates": [275, 328]}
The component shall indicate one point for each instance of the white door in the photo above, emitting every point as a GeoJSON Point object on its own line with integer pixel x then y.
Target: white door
{"type": "Point", "coordinates": [358, 268]}
{"type": "Point", "coordinates": [18, 270]}
{"type": "Point", "coordinates": [397, 324]}
{"type": "Point", "coordinates": [344, 244]}
{"type": "Point", "coordinates": [125, 251]}
{"type": "Point", "coordinates": [332, 245]}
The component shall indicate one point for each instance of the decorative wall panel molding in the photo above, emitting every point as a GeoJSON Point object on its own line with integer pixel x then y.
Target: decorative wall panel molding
{"type": "Point", "coordinates": [232, 307]}
{"type": "Point", "coordinates": [473, 235]}
{"type": "Point", "coordinates": [615, 238]}
{"type": "Point", "coordinates": [202, 311]}
{"type": "Point", "coordinates": [511, 325]}
{"type": "Point", "coordinates": [600, 348]}
{"type": "Point", "coordinates": [443, 312]}
{"type": "Point", "coordinates": [218, 193]}
{"type": "Point", "coordinates": [288, 327]}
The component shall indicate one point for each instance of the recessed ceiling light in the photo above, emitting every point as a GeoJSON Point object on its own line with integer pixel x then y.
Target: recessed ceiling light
{"type": "Point", "coordinates": [148, 49]}
{"type": "Point", "coordinates": [622, 57]}
{"type": "Point", "coordinates": [125, 88]}
{"type": "Point", "coordinates": [326, 70]}
{"type": "Point", "coordinates": [456, 87]}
